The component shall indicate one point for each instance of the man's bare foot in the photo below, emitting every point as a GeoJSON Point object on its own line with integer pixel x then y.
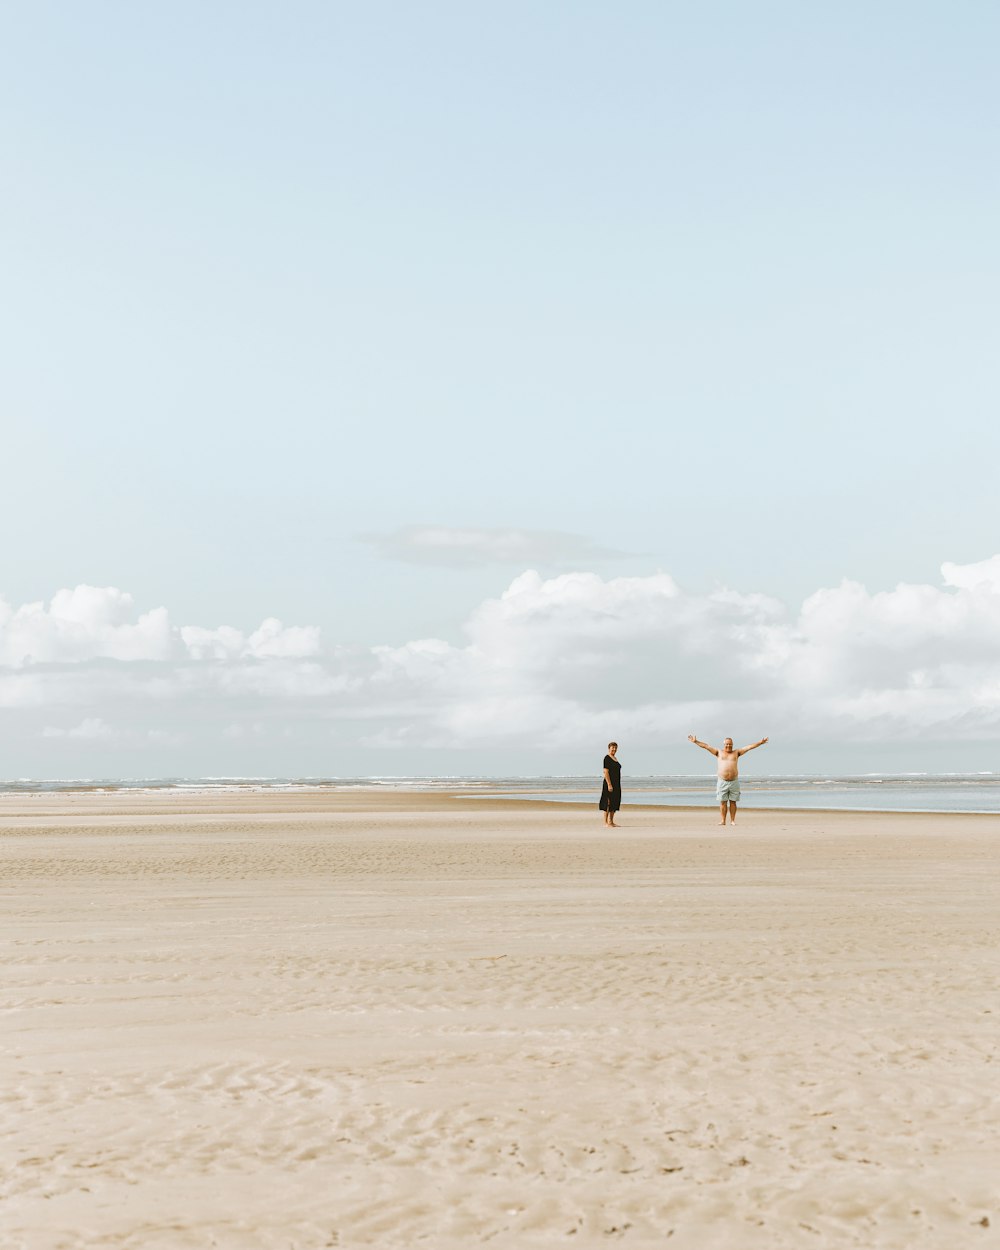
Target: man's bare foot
{"type": "Point", "coordinates": [722, 822]}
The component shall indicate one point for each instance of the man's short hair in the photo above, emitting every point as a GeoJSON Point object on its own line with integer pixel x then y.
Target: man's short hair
{"type": "Point", "coordinates": [612, 744]}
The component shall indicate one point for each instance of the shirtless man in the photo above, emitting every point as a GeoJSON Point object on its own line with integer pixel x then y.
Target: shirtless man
{"type": "Point", "coordinates": [727, 787]}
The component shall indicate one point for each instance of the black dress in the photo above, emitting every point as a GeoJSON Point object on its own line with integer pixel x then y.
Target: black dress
{"type": "Point", "coordinates": [611, 800]}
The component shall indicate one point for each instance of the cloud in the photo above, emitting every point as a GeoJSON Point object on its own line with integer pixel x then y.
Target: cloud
{"type": "Point", "coordinates": [236, 730]}
{"type": "Point", "coordinates": [95, 623]}
{"type": "Point", "coordinates": [271, 640]}
{"type": "Point", "coordinates": [556, 660]}
{"type": "Point", "coordinates": [548, 664]}
{"type": "Point", "coordinates": [972, 576]}
{"type": "Point", "coordinates": [91, 728]}
{"type": "Point", "coordinates": [87, 623]}
{"type": "Point", "coordinates": [465, 547]}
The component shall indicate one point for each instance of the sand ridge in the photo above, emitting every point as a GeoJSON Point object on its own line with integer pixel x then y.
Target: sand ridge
{"type": "Point", "coordinates": [383, 1019]}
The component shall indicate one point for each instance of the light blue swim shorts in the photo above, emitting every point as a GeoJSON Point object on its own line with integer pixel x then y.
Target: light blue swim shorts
{"type": "Point", "coordinates": [727, 791]}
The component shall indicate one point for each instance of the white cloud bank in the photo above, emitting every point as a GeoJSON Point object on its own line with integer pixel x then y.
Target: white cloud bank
{"type": "Point", "coordinates": [87, 623]}
{"type": "Point", "coordinates": [271, 641]}
{"type": "Point", "coordinates": [551, 664]}
{"type": "Point", "coordinates": [94, 622]}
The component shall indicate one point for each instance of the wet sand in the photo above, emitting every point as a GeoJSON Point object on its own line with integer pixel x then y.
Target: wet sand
{"type": "Point", "coordinates": [382, 1019]}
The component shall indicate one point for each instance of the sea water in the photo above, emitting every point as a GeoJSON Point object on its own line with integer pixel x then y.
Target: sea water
{"type": "Point", "coordinates": [922, 792]}
{"type": "Point", "coordinates": [910, 792]}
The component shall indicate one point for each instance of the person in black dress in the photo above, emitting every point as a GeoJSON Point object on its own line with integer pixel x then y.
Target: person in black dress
{"type": "Point", "coordinates": [611, 794]}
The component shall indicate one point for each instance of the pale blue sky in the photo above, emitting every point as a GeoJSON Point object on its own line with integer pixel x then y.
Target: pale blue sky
{"type": "Point", "coordinates": [711, 286]}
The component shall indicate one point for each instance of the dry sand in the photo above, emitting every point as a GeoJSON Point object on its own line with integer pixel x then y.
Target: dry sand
{"type": "Point", "coordinates": [383, 1020]}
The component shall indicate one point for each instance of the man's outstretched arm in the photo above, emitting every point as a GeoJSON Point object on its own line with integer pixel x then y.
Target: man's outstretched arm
{"type": "Point", "coordinates": [753, 746]}
{"type": "Point", "coordinates": [704, 745]}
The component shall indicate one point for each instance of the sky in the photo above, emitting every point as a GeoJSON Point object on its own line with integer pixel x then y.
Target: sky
{"type": "Point", "coordinates": [447, 389]}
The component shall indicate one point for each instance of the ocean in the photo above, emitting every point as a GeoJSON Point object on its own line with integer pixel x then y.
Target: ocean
{"type": "Point", "coordinates": [911, 792]}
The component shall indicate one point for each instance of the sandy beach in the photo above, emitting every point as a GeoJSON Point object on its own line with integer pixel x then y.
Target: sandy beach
{"type": "Point", "coordinates": [382, 1019]}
